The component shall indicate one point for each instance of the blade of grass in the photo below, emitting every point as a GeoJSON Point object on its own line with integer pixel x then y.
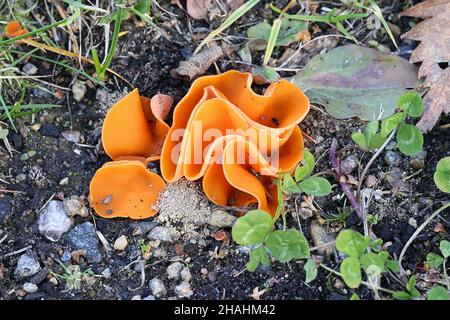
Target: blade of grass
{"type": "Point", "coordinates": [115, 38]}
{"type": "Point", "coordinates": [274, 32]}
{"type": "Point", "coordinates": [375, 9]}
{"type": "Point", "coordinates": [85, 7]}
{"type": "Point", "coordinates": [239, 12]}
{"type": "Point", "coordinates": [8, 114]}
{"type": "Point", "coordinates": [272, 40]}
{"type": "Point", "coordinates": [33, 106]}
{"type": "Point", "coordinates": [61, 64]}
{"type": "Point", "coordinates": [34, 32]}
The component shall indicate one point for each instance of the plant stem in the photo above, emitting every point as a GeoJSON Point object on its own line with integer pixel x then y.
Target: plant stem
{"type": "Point", "coordinates": [344, 185]}
{"type": "Point", "coordinates": [368, 285]}
{"type": "Point", "coordinates": [416, 233]}
{"type": "Point", "coordinates": [115, 37]}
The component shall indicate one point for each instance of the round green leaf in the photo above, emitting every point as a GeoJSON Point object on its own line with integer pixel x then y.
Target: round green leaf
{"type": "Point", "coordinates": [412, 103]}
{"type": "Point", "coordinates": [438, 293]}
{"type": "Point", "coordinates": [305, 169]}
{"type": "Point", "coordinates": [351, 272]}
{"type": "Point", "coordinates": [257, 256]}
{"type": "Point", "coordinates": [442, 175]}
{"type": "Point", "coordinates": [372, 263]}
{"type": "Point", "coordinates": [352, 243]}
{"type": "Point", "coordinates": [360, 139]}
{"type": "Point", "coordinates": [252, 228]}
{"type": "Point", "coordinates": [434, 260]}
{"type": "Point", "coordinates": [445, 248]}
{"type": "Point", "coordinates": [409, 139]}
{"type": "Point", "coordinates": [390, 123]}
{"type": "Point", "coordinates": [289, 184]}
{"type": "Point", "coordinates": [315, 186]}
{"type": "Point", "coordinates": [286, 245]}
{"type": "Point", "coordinates": [310, 268]}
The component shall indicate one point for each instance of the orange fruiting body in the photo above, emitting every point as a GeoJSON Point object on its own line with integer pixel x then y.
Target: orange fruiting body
{"type": "Point", "coordinates": [235, 139]}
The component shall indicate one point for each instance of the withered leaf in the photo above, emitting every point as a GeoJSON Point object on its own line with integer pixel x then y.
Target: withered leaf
{"type": "Point", "coordinates": [433, 50]}
{"type": "Point", "coordinates": [197, 64]}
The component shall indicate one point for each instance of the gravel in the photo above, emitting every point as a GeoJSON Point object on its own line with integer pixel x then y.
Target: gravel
{"type": "Point", "coordinates": [27, 265]}
{"type": "Point", "coordinates": [84, 237]}
{"type": "Point", "coordinates": [53, 221]}
{"type": "Point", "coordinates": [157, 287]}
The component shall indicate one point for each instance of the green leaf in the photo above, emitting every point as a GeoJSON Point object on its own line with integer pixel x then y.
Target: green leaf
{"type": "Point", "coordinates": [287, 34]}
{"type": "Point", "coordinates": [393, 265]}
{"type": "Point", "coordinates": [352, 243]}
{"type": "Point", "coordinates": [355, 297]}
{"type": "Point", "coordinates": [351, 272]}
{"type": "Point", "coordinates": [411, 287]}
{"type": "Point", "coordinates": [445, 248]}
{"type": "Point", "coordinates": [401, 295]}
{"type": "Point", "coordinates": [372, 263]}
{"type": "Point", "coordinates": [315, 186]}
{"type": "Point", "coordinates": [374, 140]}
{"type": "Point", "coordinates": [409, 139]}
{"type": "Point", "coordinates": [143, 6]}
{"type": "Point", "coordinates": [289, 184]}
{"type": "Point", "coordinates": [355, 81]}
{"type": "Point", "coordinates": [412, 103]}
{"type": "Point", "coordinates": [252, 228]}
{"type": "Point", "coordinates": [442, 175]}
{"type": "Point", "coordinates": [438, 293]}
{"type": "Point", "coordinates": [434, 260]}
{"type": "Point", "coordinates": [306, 167]}
{"type": "Point", "coordinates": [390, 123]}
{"type": "Point", "coordinates": [310, 268]}
{"type": "Point", "coordinates": [257, 256]}
{"type": "Point", "coordinates": [360, 140]}
{"type": "Point", "coordinates": [286, 245]}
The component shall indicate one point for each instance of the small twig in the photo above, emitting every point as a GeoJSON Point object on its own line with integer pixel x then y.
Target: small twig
{"type": "Point", "coordinates": [324, 245]}
{"type": "Point", "coordinates": [17, 252]}
{"type": "Point", "coordinates": [3, 239]}
{"type": "Point", "coordinates": [416, 233]}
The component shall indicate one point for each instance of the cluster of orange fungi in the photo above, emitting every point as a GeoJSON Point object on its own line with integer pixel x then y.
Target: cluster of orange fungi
{"type": "Point", "coordinates": [236, 162]}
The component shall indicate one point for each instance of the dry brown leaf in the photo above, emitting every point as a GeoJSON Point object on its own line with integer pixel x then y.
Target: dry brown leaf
{"type": "Point", "coordinates": [434, 35]}
{"type": "Point", "coordinates": [204, 9]}
{"type": "Point", "coordinates": [197, 64]}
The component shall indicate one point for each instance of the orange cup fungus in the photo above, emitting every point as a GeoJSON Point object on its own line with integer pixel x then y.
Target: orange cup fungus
{"type": "Point", "coordinates": [14, 29]}
{"type": "Point", "coordinates": [222, 131]}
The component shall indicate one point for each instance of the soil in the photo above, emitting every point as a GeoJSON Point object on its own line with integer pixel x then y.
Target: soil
{"type": "Point", "coordinates": [145, 59]}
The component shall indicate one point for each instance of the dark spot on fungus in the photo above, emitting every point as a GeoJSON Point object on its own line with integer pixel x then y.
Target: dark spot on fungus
{"type": "Point", "coordinates": [109, 211]}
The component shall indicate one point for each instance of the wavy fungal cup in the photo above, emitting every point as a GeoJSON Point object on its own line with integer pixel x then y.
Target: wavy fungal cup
{"type": "Point", "coordinates": [237, 141]}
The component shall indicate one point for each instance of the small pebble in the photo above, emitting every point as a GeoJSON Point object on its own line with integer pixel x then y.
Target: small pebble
{"type": "Point", "coordinates": [173, 271]}
{"type": "Point", "coordinates": [184, 290]}
{"type": "Point", "coordinates": [30, 69]}
{"type": "Point", "coordinates": [27, 265]}
{"type": "Point", "coordinates": [78, 90]}
{"type": "Point", "coordinates": [71, 136]}
{"type": "Point", "coordinates": [349, 164]}
{"type": "Point", "coordinates": [157, 287]}
{"type": "Point", "coordinates": [30, 287]}
{"type": "Point", "coordinates": [121, 243]}
{"type": "Point", "coordinates": [392, 158]}
{"type": "Point", "coordinates": [64, 181]}
{"type": "Point", "coordinates": [186, 274]}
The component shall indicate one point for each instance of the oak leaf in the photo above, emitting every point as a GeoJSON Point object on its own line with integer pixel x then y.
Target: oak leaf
{"type": "Point", "coordinates": [434, 53]}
